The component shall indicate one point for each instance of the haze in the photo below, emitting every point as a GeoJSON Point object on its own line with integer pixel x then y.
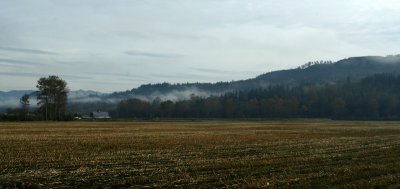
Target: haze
{"type": "Point", "coordinates": [107, 45]}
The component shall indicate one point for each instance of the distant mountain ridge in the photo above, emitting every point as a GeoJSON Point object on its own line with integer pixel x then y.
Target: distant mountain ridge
{"type": "Point", "coordinates": [354, 68]}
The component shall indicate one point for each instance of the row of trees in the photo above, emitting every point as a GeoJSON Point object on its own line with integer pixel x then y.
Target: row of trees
{"type": "Point", "coordinates": [375, 97]}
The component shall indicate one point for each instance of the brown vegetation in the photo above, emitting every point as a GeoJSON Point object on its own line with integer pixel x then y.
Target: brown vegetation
{"type": "Point", "coordinates": [204, 154]}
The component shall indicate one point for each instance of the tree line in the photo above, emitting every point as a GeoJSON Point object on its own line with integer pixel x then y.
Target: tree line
{"type": "Point", "coordinates": [375, 97]}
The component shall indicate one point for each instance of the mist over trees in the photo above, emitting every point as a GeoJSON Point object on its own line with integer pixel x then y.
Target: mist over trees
{"type": "Point", "coordinates": [374, 97]}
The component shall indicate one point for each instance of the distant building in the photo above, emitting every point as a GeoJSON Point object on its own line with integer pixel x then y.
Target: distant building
{"type": "Point", "coordinates": [100, 115]}
{"type": "Point", "coordinates": [86, 117]}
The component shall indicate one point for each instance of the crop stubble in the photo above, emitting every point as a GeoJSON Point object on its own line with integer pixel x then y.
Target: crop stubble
{"type": "Point", "coordinates": [203, 154]}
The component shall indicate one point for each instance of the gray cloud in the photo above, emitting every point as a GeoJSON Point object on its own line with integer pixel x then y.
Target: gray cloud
{"type": "Point", "coordinates": [117, 74]}
{"type": "Point", "coordinates": [133, 34]}
{"type": "Point", "coordinates": [215, 71]}
{"type": "Point", "coordinates": [20, 62]}
{"type": "Point", "coordinates": [184, 41]}
{"type": "Point", "coordinates": [19, 74]}
{"type": "Point", "coordinates": [194, 77]}
{"type": "Point", "coordinates": [184, 36]}
{"type": "Point", "coordinates": [30, 51]}
{"type": "Point", "coordinates": [74, 77]}
{"type": "Point", "coordinates": [37, 75]}
{"type": "Point", "coordinates": [122, 75]}
{"type": "Point", "coordinates": [152, 55]}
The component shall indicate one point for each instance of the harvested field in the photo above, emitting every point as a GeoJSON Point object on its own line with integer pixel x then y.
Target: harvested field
{"type": "Point", "coordinates": [202, 154]}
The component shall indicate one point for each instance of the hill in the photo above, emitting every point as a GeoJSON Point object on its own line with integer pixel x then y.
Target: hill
{"type": "Point", "coordinates": [313, 73]}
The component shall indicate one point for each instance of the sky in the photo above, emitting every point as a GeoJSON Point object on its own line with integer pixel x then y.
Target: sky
{"type": "Point", "coordinates": [117, 45]}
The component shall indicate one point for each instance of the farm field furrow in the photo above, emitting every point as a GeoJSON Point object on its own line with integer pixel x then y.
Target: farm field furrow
{"type": "Point", "coordinates": [200, 154]}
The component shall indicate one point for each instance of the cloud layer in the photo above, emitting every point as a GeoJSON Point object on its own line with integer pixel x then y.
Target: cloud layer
{"type": "Point", "coordinates": [151, 41]}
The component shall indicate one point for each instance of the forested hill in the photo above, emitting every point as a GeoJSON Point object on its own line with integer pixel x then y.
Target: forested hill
{"type": "Point", "coordinates": [374, 97]}
{"type": "Point", "coordinates": [326, 72]}
{"type": "Point", "coordinates": [321, 72]}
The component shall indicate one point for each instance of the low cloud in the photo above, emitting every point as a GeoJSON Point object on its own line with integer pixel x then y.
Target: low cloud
{"type": "Point", "coordinates": [391, 59]}
{"type": "Point", "coordinates": [9, 103]}
{"type": "Point", "coordinates": [176, 95]}
{"type": "Point", "coordinates": [82, 96]}
{"type": "Point", "coordinates": [13, 100]}
{"type": "Point", "coordinates": [14, 103]}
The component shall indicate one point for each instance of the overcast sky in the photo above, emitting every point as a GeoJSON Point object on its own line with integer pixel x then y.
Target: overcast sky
{"type": "Point", "coordinates": [113, 45]}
